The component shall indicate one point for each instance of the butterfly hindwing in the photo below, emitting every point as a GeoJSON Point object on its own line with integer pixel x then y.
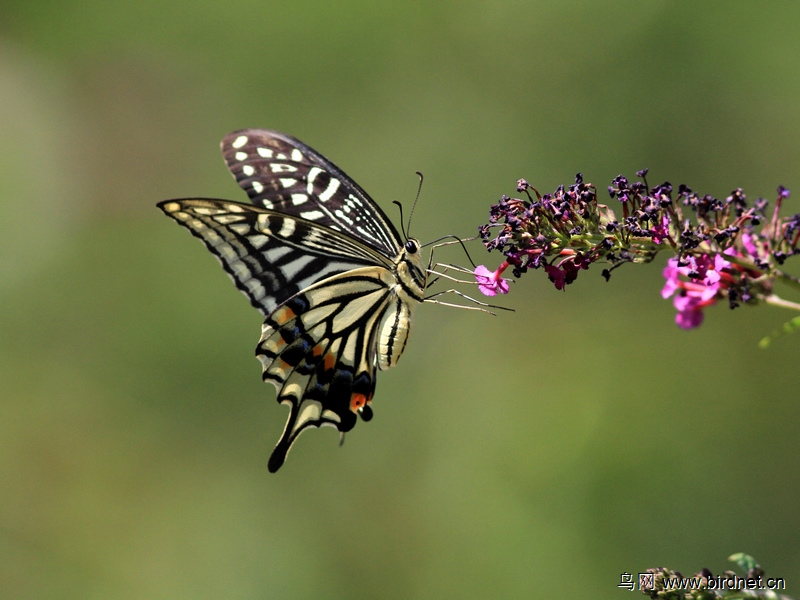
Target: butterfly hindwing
{"type": "Point", "coordinates": [281, 173]}
{"type": "Point", "coordinates": [318, 350]}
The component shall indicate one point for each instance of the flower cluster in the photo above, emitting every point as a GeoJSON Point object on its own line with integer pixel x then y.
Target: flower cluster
{"type": "Point", "coordinates": [723, 248]}
{"type": "Point", "coordinates": [668, 584]}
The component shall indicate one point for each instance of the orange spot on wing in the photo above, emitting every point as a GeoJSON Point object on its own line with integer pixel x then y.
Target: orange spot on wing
{"type": "Point", "coordinates": [283, 315]}
{"type": "Point", "coordinates": [329, 362]}
{"type": "Point", "coordinates": [317, 350]}
{"type": "Point", "coordinates": [357, 401]}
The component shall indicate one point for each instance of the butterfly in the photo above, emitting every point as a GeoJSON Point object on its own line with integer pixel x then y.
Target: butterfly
{"type": "Point", "coordinates": [336, 283]}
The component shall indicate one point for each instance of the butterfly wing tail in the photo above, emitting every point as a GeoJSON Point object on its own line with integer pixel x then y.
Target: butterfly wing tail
{"type": "Point", "coordinates": [324, 371]}
{"type": "Point", "coordinates": [348, 394]}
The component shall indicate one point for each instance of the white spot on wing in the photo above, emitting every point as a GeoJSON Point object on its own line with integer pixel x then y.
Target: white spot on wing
{"type": "Point", "coordinates": [226, 252]}
{"type": "Point", "coordinates": [275, 254]}
{"type": "Point", "coordinates": [212, 237]}
{"type": "Point", "coordinates": [310, 410]}
{"type": "Point", "coordinates": [297, 155]}
{"type": "Point", "coordinates": [287, 229]}
{"type": "Point", "coordinates": [203, 210]}
{"type": "Point", "coordinates": [348, 356]}
{"type": "Point", "coordinates": [239, 141]}
{"type": "Point", "coordinates": [312, 175]}
{"type": "Point", "coordinates": [264, 152]}
{"type": "Point", "coordinates": [228, 219]}
{"type": "Point", "coordinates": [331, 416]}
{"type": "Point", "coordinates": [312, 215]}
{"type": "Point", "coordinates": [330, 190]}
{"type": "Point", "coordinates": [248, 170]}
{"type": "Point", "coordinates": [290, 270]}
{"type": "Point", "coordinates": [256, 289]}
{"type": "Point", "coordinates": [292, 389]}
{"type": "Point", "coordinates": [343, 217]}
{"type": "Point", "coordinates": [257, 187]}
{"type": "Point", "coordinates": [241, 228]}
{"type": "Point", "coordinates": [258, 240]}
{"type": "Point", "coordinates": [286, 183]}
{"type": "Point", "coordinates": [298, 199]}
{"type": "Point", "coordinates": [241, 156]}
{"type": "Point", "coordinates": [263, 223]}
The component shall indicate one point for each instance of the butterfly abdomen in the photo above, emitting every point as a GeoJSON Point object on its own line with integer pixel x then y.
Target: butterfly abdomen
{"type": "Point", "coordinates": [393, 333]}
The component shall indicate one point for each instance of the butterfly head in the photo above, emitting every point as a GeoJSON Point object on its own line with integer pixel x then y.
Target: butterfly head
{"type": "Point", "coordinates": [410, 269]}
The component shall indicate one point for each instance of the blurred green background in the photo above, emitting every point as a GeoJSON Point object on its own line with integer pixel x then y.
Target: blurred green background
{"type": "Point", "coordinates": [536, 454]}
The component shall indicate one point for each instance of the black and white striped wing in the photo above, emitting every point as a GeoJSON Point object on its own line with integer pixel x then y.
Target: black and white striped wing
{"type": "Point", "coordinates": [318, 350]}
{"type": "Point", "coordinates": [281, 173]}
{"type": "Point", "coordinates": [325, 296]}
{"type": "Point", "coordinates": [270, 256]}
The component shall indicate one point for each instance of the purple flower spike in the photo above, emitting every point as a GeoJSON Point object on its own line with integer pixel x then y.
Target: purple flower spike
{"type": "Point", "coordinates": [723, 249]}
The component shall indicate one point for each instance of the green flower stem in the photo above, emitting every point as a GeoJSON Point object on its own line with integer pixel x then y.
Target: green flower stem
{"type": "Point", "coordinates": [788, 279]}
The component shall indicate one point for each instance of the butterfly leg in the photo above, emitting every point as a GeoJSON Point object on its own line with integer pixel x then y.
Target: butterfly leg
{"type": "Point", "coordinates": [432, 299]}
{"type": "Point", "coordinates": [488, 312]}
{"type": "Point", "coordinates": [446, 267]}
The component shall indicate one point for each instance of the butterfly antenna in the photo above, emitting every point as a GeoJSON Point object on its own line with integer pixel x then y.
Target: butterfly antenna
{"type": "Point", "coordinates": [402, 226]}
{"type": "Point", "coordinates": [413, 206]}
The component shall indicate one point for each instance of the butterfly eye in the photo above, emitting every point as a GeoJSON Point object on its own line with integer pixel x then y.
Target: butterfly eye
{"type": "Point", "coordinates": [411, 247]}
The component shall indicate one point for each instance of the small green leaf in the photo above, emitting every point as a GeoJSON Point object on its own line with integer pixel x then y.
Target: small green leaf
{"type": "Point", "coordinates": [746, 562]}
{"type": "Point", "coordinates": [789, 327]}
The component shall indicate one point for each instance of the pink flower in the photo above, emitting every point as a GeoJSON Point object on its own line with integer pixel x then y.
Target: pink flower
{"type": "Point", "coordinates": [690, 311]}
{"type": "Point", "coordinates": [701, 283]}
{"type": "Point", "coordinates": [661, 231]}
{"type": "Point", "coordinates": [671, 273]}
{"type": "Point", "coordinates": [491, 282]}
{"type": "Point", "coordinates": [749, 243]}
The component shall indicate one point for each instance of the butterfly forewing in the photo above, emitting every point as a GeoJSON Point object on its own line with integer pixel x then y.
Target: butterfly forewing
{"type": "Point", "coordinates": [269, 256]}
{"type": "Point", "coordinates": [281, 173]}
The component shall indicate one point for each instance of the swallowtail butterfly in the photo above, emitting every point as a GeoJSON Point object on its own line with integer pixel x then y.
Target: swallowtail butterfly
{"type": "Point", "coordinates": [335, 281]}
